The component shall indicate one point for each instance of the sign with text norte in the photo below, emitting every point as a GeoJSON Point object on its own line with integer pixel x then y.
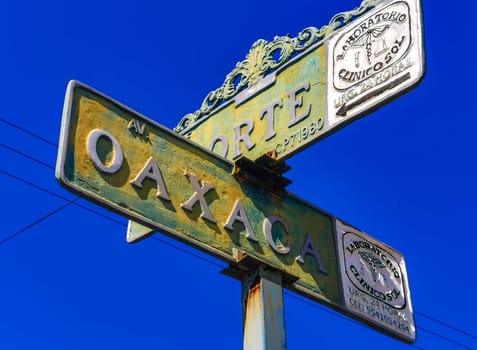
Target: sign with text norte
{"type": "Point", "coordinates": [127, 163]}
{"type": "Point", "coordinates": [291, 92]}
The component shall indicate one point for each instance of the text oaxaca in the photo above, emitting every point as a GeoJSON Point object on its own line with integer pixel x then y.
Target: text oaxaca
{"type": "Point", "coordinates": [151, 172]}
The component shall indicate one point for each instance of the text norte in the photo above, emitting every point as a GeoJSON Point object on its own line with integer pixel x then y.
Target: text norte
{"type": "Point", "coordinates": [151, 172]}
{"type": "Point", "coordinates": [290, 112]}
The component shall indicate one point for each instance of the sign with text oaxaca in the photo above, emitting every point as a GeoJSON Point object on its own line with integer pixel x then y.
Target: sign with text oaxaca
{"type": "Point", "coordinates": [291, 92]}
{"type": "Point", "coordinates": [128, 163]}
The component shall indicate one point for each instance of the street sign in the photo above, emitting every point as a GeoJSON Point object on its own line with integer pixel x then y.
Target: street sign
{"type": "Point", "coordinates": [278, 114]}
{"type": "Point", "coordinates": [375, 283]}
{"type": "Point", "coordinates": [125, 162]}
{"type": "Point", "coordinates": [289, 93]}
{"type": "Point", "coordinates": [128, 163]}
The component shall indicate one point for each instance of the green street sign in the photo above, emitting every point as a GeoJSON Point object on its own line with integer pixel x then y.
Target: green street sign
{"type": "Point", "coordinates": [277, 114]}
{"type": "Point", "coordinates": [125, 162]}
{"type": "Point", "coordinates": [291, 92]}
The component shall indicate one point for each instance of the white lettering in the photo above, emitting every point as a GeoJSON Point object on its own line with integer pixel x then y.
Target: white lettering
{"type": "Point", "coordinates": [199, 196]}
{"type": "Point", "coordinates": [238, 214]}
{"type": "Point", "coordinates": [92, 146]}
{"type": "Point", "coordinates": [225, 145]}
{"type": "Point", "coordinates": [243, 137]}
{"type": "Point", "coordinates": [269, 112]}
{"type": "Point", "coordinates": [137, 126]}
{"type": "Point", "coordinates": [310, 248]}
{"type": "Point", "coordinates": [151, 171]}
{"type": "Point", "coordinates": [267, 230]}
{"type": "Point", "coordinates": [298, 103]}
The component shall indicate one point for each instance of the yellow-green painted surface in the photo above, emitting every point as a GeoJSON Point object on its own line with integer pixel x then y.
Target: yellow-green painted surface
{"type": "Point", "coordinates": [298, 94]}
{"type": "Point", "coordinates": [178, 162]}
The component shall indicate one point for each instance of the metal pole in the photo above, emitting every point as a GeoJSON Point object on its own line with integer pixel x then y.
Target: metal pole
{"type": "Point", "coordinates": [263, 317]}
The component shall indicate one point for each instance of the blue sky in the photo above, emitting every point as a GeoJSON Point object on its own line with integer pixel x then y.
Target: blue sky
{"type": "Point", "coordinates": [405, 174]}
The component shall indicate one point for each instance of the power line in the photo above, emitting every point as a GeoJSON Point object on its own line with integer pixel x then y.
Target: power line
{"type": "Point", "coordinates": [333, 313]}
{"type": "Point", "coordinates": [172, 245]}
{"type": "Point", "coordinates": [447, 325]}
{"type": "Point", "coordinates": [445, 338]}
{"type": "Point", "coordinates": [188, 252]}
{"type": "Point", "coordinates": [14, 150]}
{"type": "Point", "coordinates": [59, 196]}
{"type": "Point", "coordinates": [43, 218]}
{"type": "Point", "coordinates": [13, 125]}
{"type": "Point", "coordinates": [319, 307]}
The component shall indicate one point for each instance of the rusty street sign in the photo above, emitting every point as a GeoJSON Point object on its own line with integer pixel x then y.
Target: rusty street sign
{"type": "Point", "coordinates": [127, 163]}
{"type": "Point", "coordinates": [276, 114]}
{"type": "Point", "coordinates": [289, 93]}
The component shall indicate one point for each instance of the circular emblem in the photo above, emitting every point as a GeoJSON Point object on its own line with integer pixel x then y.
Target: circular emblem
{"type": "Point", "coordinates": [373, 270]}
{"type": "Point", "coordinates": [372, 45]}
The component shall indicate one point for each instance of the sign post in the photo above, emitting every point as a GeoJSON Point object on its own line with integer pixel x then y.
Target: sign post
{"type": "Point", "coordinates": [263, 314]}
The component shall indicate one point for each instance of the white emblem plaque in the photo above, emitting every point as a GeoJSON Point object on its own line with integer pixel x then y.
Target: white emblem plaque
{"type": "Point", "coordinates": [376, 58]}
{"type": "Point", "coordinates": [374, 282]}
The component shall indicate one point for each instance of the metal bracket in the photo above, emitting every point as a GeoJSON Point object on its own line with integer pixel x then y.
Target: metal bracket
{"type": "Point", "coordinates": [265, 172]}
{"type": "Point", "coordinates": [246, 264]}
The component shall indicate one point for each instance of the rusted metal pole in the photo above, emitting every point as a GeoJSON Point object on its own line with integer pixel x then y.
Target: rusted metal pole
{"type": "Point", "coordinates": [263, 316]}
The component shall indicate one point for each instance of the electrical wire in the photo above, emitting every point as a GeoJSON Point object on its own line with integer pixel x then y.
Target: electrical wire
{"type": "Point", "coordinates": [446, 325]}
{"type": "Point", "coordinates": [170, 244]}
{"type": "Point", "coordinates": [333, 313]}
{"type": "Point", "coordinates": [188, 252]}
{"type": "Point", "coordinates": [444, 338]}
{"type": "Point", "coordinates": [36, 222]}
{"type": "Point", "coordinates": [26, 131]}
{"type": "Point", "coordinates": [6, 173]}
{"type": "Point", "coordinates": [13, 150]}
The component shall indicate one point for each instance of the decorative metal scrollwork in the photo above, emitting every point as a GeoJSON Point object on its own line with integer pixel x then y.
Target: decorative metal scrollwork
{"type": "Point", "coordinates": [265, 57]}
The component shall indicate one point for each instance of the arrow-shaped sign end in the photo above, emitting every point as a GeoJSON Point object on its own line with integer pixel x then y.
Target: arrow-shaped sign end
{"type": "Point", "coordinates": [342, 111]}
{"type": "Point", "coordinates": [137, 232]}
